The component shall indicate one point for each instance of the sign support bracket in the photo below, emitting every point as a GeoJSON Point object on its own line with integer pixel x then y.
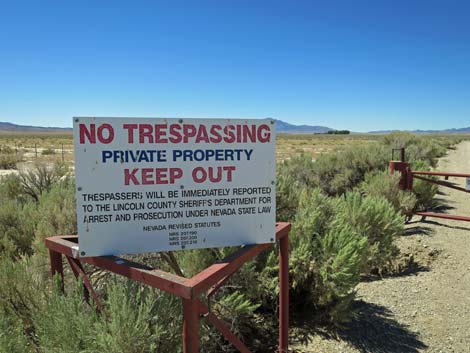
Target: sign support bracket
{"type": "Point", "coordinates": [205, 283]}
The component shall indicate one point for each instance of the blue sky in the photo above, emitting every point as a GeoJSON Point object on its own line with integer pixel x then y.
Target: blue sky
{"type": "Point", "coordinates": [358, 65]}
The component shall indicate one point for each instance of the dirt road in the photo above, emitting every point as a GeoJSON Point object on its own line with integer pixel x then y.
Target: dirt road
{"type": "Point", "coordinates": [428, 309]}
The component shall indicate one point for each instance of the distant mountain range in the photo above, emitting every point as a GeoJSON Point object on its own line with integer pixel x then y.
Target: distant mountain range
{"type": "Point", "coordinates": [281, 127]}
{"type": "Point", "coordinates": [463, 130]}
{"type": "Point", "coordinates": [26, 128]}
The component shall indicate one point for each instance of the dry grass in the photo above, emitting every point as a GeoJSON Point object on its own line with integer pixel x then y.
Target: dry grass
{"type": "Point", "coordinates": [31, 146]}
{"type": "Point", "coordinates": [290, 145]}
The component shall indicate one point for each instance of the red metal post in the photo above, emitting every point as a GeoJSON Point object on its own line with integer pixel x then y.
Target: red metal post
{"type": "Point", "coordinates": [409, 179]}
{"type": "Point", "coordinates": [57, 266]}
{"type": "Point", "coordinates": [284, 294]}
{"type": "Point", "coordinates": [405, 182]}
{"type": "Point", "coordinates": [190, 326]}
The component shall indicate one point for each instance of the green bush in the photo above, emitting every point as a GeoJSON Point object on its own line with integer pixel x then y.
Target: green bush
{"type": "Point", "coordinates": [48, 151]}
{"type": "Point", "coordinates": [424, 191]}
{"type": "Point", "coordinates": [418, 147]}
{"type": "Point", "coordinates": [9, 157]}
{"type": "Point", "coordinates": [340, 172]}
{"type": "Point", "coordinates": [35, 181]}
{"type": "Point", "coordinates": [341, 255]}
{"type": "Point", "coordinates": [326, 258]}
{"type": "Point", "coordinates": [12, 337]}
{"type": "Point", "coordinates": [382, 184]}
{"type": "Point", "coordinates": [8, 160]}
{"type": "Point", "coordinates": [376, 220]}
{"type": "Point", "coordinates": [301, 168]}
{"type": "Point", "coordinates": [288, 190]}
{"type": "Point", "coordinates": [16, 233]}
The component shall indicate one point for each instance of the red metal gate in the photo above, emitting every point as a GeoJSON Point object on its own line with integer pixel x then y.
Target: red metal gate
{"type": "Point", "coordinates": [408, 175]}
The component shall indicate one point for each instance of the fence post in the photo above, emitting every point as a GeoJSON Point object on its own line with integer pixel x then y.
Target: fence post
{"type": "Point", "coordinates": [284, 294]}
{"type": "Point", "coordinates": [62, 152]}
{"type": "Point", "coordinates": [36, 150]}
{"type": "Point", "coordinates": [190, 326]}
{"type": "Point", "coordinates": [57, 266]}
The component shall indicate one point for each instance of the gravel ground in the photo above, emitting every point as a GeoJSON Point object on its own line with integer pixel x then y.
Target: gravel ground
{"type": "Point", "coordinates": [428, 309]}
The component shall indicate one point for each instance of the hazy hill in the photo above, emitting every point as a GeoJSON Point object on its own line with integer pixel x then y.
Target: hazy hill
{"type": "Point", "coordinates": [282, 126]}
{"type": "Point", "coordinates": [10, 127]}
{"type": "Point", "coordinates": [463, 130]}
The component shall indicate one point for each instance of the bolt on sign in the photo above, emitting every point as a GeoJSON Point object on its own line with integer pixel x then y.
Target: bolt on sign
{"type": "Point", "coordinates": [148, 185]}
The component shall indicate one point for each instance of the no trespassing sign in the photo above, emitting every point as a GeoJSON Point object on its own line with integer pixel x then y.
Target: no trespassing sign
{"type": "Point", "coordinates": [159, 184]}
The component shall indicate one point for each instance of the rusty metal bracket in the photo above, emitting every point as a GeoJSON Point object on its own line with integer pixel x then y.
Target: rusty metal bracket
{"type": "Point", "coordinates": [207, 282]}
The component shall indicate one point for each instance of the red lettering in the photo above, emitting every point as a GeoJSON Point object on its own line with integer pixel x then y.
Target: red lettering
{"type": "Point", "coordinates": [264, 133]}
{"type": "Point", "coordinates": [130, 176]}
{"type": "Point", "coordinates": [202, 172]}
{"type": "Point", "coordinates": [215, 135]}
{"type": "Point", "coordinates": [89, 134]}
{"type": "Point", "coordinates": [175, 134]}
{"type": "Point", "coordinates": [110, 130]}
{"type": "Point", "coordinates": [147, 176]}
{"type": "Point", "coordinates": [150, 176]}
{"type": "Point", "coordinates": [188, 131]}
{"type": "Point", "coordinates": [202, 135]}
{"type": "Point", "coordinates": [229, 170]}
{"type": "Point", "coordinates": [230, 136]}
{"type": "Point", "coordinates": [130, 131]}
{"type": "Point", "coordinates": [145, 131]}
{"type": "Point", "coordinates": [160, 133]}
{"type": "Point", "coordinates": [249, 133]}
{"type": "Point", "coordinates": [214, 175]}
{"type": "Point", "coordinates": [175, 173]}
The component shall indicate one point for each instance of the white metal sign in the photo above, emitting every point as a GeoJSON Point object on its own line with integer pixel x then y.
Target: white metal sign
{"type": "Point", "coordinates": [168, 184]}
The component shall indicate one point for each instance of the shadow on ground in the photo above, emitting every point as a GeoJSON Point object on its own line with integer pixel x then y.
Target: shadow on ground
{"type": "Point", "coordinates": [373, 330]}
{"type": "Point", "coordinates": [439, 224]}
{"type": "Point", "coordinates": [417, 230]}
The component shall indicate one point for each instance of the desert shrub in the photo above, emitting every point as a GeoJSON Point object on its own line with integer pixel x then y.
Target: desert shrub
{"type": "Point", "coordinates": [326, 258]}
{"type": "Point", "coordinates": [424, 191]}
{"type": "Point", "coordinates": [300, 168]}
{"type": "Point", "coordinates": [376, 220]}
{"type": "Point", "coordinates": [418, 148]}
{"type": "Point", "coordinates": [287, 197]}
{"type": "Point", "coordinates": [341, 255]}
{"type": "Point", "coordinates": [11, 189]}
{"type": "Point", "coordinates": [340, 172]}
{"type": "Point", "coordinates": [48, 151]}
{"type": "Point", "coordinates": [9, 157]}
{"type": "Point", "coordinates": [24, 222]}
{"type": "Point", "coordinates": [16, 233]}
{"type": "Point", "coordinates": [134, 319]}
{"type": "Point", "coordinates": [8, 160]}
{"type": "Point", "coordinates": [55, 211]}
{"type": "Point", "coordinates": [20, 289]}
{"type": "Point", "coordinates": [41, 318]}
{"type": "Point", "coordinates": [39, 179]}
{"type": "Point", "coordinates": [382, 184]}
{"type": "Point", "coordinates": [12, 337]}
